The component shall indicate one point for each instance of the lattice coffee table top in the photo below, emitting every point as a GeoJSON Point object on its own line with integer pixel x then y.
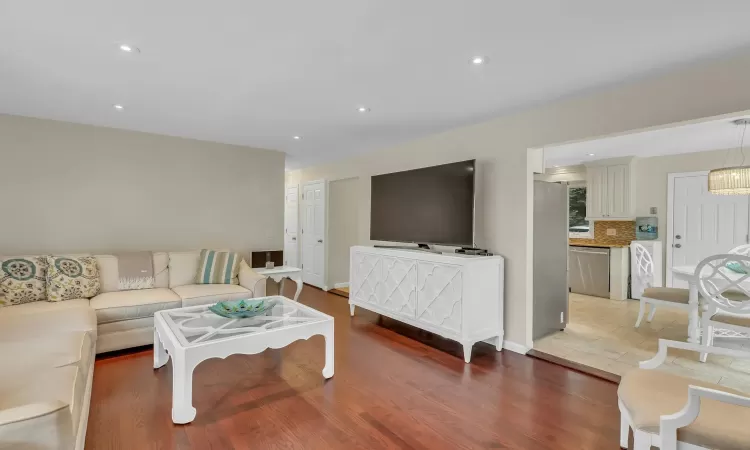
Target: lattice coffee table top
{"type": "Point", "coordinates": [197, 325]}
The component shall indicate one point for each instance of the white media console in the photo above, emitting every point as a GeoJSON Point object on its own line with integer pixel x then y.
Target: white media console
{"type": "Point", "coordinates": [455, 296]}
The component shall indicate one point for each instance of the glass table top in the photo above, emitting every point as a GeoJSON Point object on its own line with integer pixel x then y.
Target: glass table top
{"type": "Point", "coordinates": [197, 324]}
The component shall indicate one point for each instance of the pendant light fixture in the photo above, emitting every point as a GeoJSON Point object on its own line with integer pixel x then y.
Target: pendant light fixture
{"type": "Point", "coordinates": [732, 180]}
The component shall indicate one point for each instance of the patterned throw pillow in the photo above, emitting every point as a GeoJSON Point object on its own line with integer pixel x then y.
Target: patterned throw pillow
{"type": "Point", "coordinates": [69, 278]}
{"type": "Point", "coordinates": [23, 280]}
{"type": "Point", "coordinates": [218, 268]}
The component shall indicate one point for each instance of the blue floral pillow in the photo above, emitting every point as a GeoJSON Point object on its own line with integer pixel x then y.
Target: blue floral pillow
{"type": "Point", "coordinates": [23, 280]}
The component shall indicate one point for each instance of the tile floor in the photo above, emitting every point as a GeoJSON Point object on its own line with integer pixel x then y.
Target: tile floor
{"type": "Point", "coordinates": [601, 334]}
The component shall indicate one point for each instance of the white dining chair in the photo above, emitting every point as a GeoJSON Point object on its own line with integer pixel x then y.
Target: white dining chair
{"type": "Point", "coordinates": [743, 250]}
{"type": "Point", "coordinates": [726, 296]}
{"type": "Point", "coordinates": [675, 298]}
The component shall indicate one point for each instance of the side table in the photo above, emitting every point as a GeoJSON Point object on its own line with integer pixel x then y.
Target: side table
{"type": "Point", "coordinates": [281, 273]}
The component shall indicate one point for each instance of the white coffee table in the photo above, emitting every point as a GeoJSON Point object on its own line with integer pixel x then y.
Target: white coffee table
{"type": "Point", "coordinates": [194, 334]}
{"type": "Point", "coordinates": [281, 273]}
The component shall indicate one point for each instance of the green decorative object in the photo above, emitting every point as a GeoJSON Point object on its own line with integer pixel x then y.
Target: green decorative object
{"type": "Point", "coordinates": [239, 309]}
{"type": "Point", "coordinates": [736, 267]}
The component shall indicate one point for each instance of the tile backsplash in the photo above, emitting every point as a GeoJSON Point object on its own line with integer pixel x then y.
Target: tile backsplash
{"type": "Point", "coordinates": [624, 233]}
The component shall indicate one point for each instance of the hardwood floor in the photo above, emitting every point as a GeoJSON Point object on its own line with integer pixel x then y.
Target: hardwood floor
{"type": "Point", "coordinates": [395, 387]}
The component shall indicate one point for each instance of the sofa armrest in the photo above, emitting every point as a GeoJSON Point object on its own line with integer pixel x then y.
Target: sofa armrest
{"type": "Point", "coordinates": [37, 426]}
{"type": "Point", "coordinates": [251, 280]}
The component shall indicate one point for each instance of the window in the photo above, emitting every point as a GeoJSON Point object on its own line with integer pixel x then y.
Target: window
{"type": "Point", "coordinates": [578, 226]}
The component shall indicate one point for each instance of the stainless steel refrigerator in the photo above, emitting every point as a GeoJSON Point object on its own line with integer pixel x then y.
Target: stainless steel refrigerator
{"type": "Point", "coordinates": [550, 258]}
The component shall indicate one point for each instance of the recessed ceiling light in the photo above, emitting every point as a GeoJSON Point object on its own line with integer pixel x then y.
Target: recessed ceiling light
{"type": "Point", "coordinates": [129, 48]}
{"type": "Point", "coordinates": [118, 107]}
{"type": "Point", "coordinates": [297, 138]}
{"type": "Point", "coordinates": [363, 109]}
{"type": "Point", "coordinates": [591, 154]}
{"type": "Point", "coordinates": [478, 60]}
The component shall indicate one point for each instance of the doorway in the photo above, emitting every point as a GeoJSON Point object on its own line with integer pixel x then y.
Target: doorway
{"type": "Point", "coordinates": [291, 226]}
{"type": "Point", "coordinates": [313, 233]}
{"type": "Point", "coordinates": [702, 224]}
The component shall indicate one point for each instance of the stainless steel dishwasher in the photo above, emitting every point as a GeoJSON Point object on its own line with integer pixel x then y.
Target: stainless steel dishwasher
{"type": "Point", "coordinates": [589, 270]}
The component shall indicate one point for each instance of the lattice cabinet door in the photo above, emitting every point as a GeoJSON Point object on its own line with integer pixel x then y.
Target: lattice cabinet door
{"type": "Point", "coordinates": [399, 293]}
{"type": "Point", "coordinates": [366, 276]}
{"type": "Point", "coordinates": [439, 295]}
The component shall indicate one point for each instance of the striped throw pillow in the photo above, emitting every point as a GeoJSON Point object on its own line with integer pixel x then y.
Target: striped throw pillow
{"type": "Point", "coordinates": [218, 267]}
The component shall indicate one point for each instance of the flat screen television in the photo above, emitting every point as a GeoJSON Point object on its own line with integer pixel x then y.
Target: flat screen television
{"type": "Point", "coordinates": [432, 205]}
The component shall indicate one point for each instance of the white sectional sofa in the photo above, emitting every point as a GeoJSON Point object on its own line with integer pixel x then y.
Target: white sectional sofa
{"type": "Point", "coordinates": [47, 349]}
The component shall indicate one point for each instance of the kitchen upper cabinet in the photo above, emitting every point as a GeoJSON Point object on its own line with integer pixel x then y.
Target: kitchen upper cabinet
{"type": "Point", "coordinates": [610, 190]}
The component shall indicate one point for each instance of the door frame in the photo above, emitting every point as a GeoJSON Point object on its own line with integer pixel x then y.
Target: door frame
{"type": "Point", "coordinates": [301, 192]}
{"type": "Point", "coordinates": [286, 188]}
{"type": "Point", "coordinates": [670, 217]}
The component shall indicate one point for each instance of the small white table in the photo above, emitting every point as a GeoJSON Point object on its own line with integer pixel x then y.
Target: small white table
{"type": "Point", "coordinates": [687, 273]}
{"type": "Point", "coordinates": [194, 334]}
{"type": "Point", "coordinates": [281, 273]}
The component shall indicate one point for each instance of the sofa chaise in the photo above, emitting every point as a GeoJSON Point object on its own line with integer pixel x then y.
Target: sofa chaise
{"type": "Point", "coordinates": [48, 349]}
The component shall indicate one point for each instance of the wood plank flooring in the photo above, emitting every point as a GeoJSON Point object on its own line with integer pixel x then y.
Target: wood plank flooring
{"type": "Point", "coordinates": [395, 387]}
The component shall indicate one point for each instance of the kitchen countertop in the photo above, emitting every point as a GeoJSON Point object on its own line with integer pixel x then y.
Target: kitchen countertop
{"type": "Point", "coordinates": [589, 244]}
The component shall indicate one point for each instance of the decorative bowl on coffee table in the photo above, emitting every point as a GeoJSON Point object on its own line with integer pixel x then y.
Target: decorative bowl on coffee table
{"type": "Point", "coordinates": [240, 309]}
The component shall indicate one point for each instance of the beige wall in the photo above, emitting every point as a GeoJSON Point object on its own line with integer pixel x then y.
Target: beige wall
{"type": "Point", "coordinates": [503, 215]}
{"type": "Point", "coordinates": [343, 198]}
{"type": "Point", "coordinates": [78, 188]}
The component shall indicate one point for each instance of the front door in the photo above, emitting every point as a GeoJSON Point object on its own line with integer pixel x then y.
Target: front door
{"type": "Point", "coordinates": [704, 224]}
{"type": "Point", "coordinates": [313, 233]}
{"type": "Point", "coordinates": [291, 227]}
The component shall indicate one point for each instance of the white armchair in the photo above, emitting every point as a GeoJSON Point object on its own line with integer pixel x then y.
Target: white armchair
{"type": "Point", "coordinates": [673, 412]}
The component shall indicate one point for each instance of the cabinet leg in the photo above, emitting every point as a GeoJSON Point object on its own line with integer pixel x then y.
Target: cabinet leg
{"type": "Point", "coordinates": [467, 351]}
{"type": "Point", "coordinates": [351, 310]}
{"type": "Point", "coordinates": [499, 343]}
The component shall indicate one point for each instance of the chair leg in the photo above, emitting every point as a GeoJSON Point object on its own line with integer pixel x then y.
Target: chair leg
{"type": "Point", "coordinates": [624, 430]}
{"type": "Point", "coordinates": [707, 338]}
{"type": "Point", "coordinates": [651, 313]}
{"type": "Point", "coordinates": [641, 440]}
{"type": "Point", "coordinates": [641, 312]}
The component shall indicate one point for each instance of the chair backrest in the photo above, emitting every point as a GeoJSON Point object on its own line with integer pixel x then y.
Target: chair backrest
{"type": "Point", "coordinates": [722, 287]}
{"type": "Point", "coordinates": [644, 265]}
{"type": "Point", "coordinates": [743, 250]}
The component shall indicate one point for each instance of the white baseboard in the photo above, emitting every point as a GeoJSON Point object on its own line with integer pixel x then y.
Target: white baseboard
{"type": "Point", "coordinates": [340, 285]}
{"type": "Point", "coordinates": [515, 347]}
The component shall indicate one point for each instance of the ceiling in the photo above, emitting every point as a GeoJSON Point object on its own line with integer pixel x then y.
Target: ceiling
{"type": "Point", "coordinates": [257, 73]}
{"type": "Point", "coordinates": [698, 137]}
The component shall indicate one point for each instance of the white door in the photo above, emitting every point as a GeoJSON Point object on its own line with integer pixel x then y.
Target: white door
{"type": "Point", "coordinates": [291, 227]}
{"type": "Point", "coordinates": [618, 191]}
{"type": "Point", "coordinates": [314, 233]}
{"type": "Point", "coordinates": [596, 192]}
{"type": "Point", "coordinates": [703, 224]}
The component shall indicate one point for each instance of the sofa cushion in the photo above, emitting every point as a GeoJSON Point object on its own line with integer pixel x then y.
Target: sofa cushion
{"type": "Point", "coordinates": [203, 294]}
{"type": "Point", "coordinates": [25, 322]}
{"type": "Point", "coordinates": [650, 394]}
{"type": "Point", "coordinates": [48, 389]}
{"type": "Point", "coordinates": [69, 278]}
{"type": "Point", "coordinates": [43, 307]}
{"type": "Point", "coordinates": [125, 305]}
{"type": "Point", "coordinates": [23, 279]}
{"type": "Point", "coordinates": [47, 351]}
{"type": "Point", "coordinates": [183, 267]}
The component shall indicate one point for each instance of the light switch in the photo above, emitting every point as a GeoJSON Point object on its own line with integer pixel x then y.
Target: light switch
{"type": "Point", "coordinates": [653, 210]}
{"type": "Point", "coordinates": [611, 232]}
